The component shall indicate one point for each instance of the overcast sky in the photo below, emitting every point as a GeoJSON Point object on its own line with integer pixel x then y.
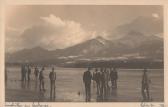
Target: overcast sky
{"type": "Point", "coordinates": [54, 26]}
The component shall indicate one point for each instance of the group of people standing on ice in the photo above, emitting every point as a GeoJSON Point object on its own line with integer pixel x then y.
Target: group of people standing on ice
{"type": "Point", "coordinates": [102, 77]}
{"type": "Point", "coordinates": [106, 79]}
{"type": "Point", "coordinates": [39, 78]}
{"type": "Point", "coordinates": [25, 73]}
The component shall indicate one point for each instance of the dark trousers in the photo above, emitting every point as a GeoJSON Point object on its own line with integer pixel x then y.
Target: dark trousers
{"type": "Point", "coordinates": [24, 77]}
{"type": "Point", "coordinates": [98, 88]}
{"type": "Point", "coordinates": [52, 89]}
{"type": "Point", "coordinates": [28, 77]}
{"type": "Point", "coordinates": [114, 83]}
{"type": "Point", "coordinates": [145, 95]}
{"type": "Point", "coordinates": [88, 91]}
{"type": "Point", "coordinates": [103, 90]}
{"type": "Point", "coordinates": [41, 86]}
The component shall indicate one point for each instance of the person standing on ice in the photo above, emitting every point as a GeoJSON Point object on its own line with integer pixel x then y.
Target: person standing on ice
{"type": "Point", "coordinates": [145, 85]}
{"type": "Point", "coordinates": [52, 77]}
{"type": "Point", "coordinates": [87, 77]}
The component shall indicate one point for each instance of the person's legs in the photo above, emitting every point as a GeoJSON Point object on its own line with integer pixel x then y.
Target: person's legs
{"type": "Point", "coordinates": [89, 92]}
{"type": "Point", "coordinates": [143, 92]}
{"type": "Point", "coordinates": [50, 90]}
{"type": "Point", "coordinates": [28, 77]}
{"type": "Point", "coordinates": [40, 85]}
{"type": "Point", "coordinates": [36, 83]}
{"type": "Point", "coordinates": [54, 88]}
{"type": "Point", "coordinates": [43, 85]}
{"type": "Point", "coordinates": [85, 91]}
{"type": "Point", "coordinates": [21, 76]}
{"type": "Point", "coordinates": [147, 92]}
{"type": "Point", "coordinates": [103, 90]}
{"type": "Point", "coordinates": [24, 78]}
{"type": "Point", "coordinates": [115, 83]}
{"type": "Point", "coordinates": [97, 88]}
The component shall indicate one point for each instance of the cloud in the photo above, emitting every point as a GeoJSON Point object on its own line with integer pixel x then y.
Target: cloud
{"type": "Point", "coordinates": [52, 33]}
{"type": "Point", "coordinates": [148, 25]}
{"type": "Point", "coordinates": [12, 39]}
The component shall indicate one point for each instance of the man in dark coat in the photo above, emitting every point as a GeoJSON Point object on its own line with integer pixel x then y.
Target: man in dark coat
{"type": "Point", "coordinates": [28, 73]}
{"type": "Point", "coordinates": [87, 77]}
{"type": "Point", "coordinates": [97, 79]}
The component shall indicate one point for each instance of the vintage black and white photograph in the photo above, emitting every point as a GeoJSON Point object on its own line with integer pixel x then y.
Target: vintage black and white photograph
{"type": "Point", "coordinates": [84, 53]}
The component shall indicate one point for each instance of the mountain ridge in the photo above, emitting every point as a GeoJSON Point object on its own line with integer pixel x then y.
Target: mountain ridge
{"type": "Point", "coordinates": [133, 42]}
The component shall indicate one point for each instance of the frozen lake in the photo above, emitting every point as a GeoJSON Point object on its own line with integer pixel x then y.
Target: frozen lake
{"type": "Point", "coordinates": [70, 87]}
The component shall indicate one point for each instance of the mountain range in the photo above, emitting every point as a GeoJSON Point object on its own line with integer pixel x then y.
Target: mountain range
{"type": "Point", "coordinates": [132, 45]}
{"type": "Point", "coordinates": [135, 40]}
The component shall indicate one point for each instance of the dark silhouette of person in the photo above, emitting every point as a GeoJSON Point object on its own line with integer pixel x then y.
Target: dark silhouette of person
{"type": "Point", "coordinates": [23, 76]}
{"type": "Point", "coordinates": [103, 85]}
{"type": "Point", "coordinates": [112, 78]}
{"type": "Point", "coordinates": [145, 85]}
{"type": "Point", "coordinates": [107, 79]}
{"type": "Point", "coordinates": [28, 73]}
{"type": "Point", "coordinates": [115, 77]}
{"type": "Point", "coordinates": [52, 77]}
{"type": "Point", "coordinates": [87, 77]}
{"type": "Point", "coordinates": [98, 80]}
{"type": "Point", "coordinates": [36, 73]}
{"type": "Point", "coordinates": [41, 78]}
{"type": "Point", "coordinates": [93, 78]}
{"type": "Point", "coordinates": [22, 72]}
